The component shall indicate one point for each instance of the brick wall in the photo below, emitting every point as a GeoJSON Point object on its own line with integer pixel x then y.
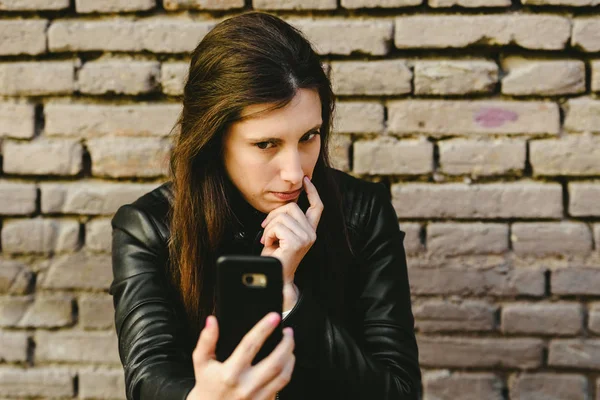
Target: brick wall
{"type": "Point", "coordinates": [483, 116]}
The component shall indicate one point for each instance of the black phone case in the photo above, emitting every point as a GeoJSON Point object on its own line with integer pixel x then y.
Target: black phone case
{"type": "Point", "coordinates": [239, 307]}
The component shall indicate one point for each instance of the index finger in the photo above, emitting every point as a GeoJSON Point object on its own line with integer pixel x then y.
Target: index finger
{"type": "Point", "coordinates": [252, 341]}
{"type": "Point", "coordinates": [313, 214]}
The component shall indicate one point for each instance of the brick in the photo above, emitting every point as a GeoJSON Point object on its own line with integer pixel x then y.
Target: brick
{"type": "Point", "coordinates": [576, 3]}
{"type": "Point", "coordinates": [446, 385]}
{"type": "Point", "coordinates": [548, 386]}
{"type": "Point", "coordinates": [13, 349]}
{"type": "Point", "coordinates": [575, 281]}
{"type": "Point", "coordinates": [581, 199]}
{"type": "Point", "coordinates": [571, 155]}
{"type": "Point", "coordinates": [78, 271]}
{"type": "Point", "coordinates": [542, 318]}
{"type": "Point", "coordinates": [594, 318]}
{"type": "Point", "coordinates": [17, 120]}
{"type": "Point", "coordinates": [23, 37]}
{"type": "Point", "coordinates": [472, 117]}
{"type": "Point", "coordinates": [529, 31]}
{"type": "Point", "coordinates": [482, 157]}
{"type": "Point", "coordinates": [585, 34]}
{"type": "Point", "coordinates": [40, 235]}
{"type": "Point", "coordinates": [119, 76]}
{"type": "Point", "coordinates": [51, 382]}
{"type": "Point", "coordinates": [101, 383]}
{"type": "Point", "coordinates": [52, 157]}
{"type": "Point", "coordinates": [17, 198]}
{"type": "Point", "coordinates": [387, 77]}
{"type": "Point", "coordinates": [157, 35]}
{"type": "Point", "coordinates": [12, 309]}
{"type": "Point", "coordinates": [448, 77]}
{"type": "Point", "coordinates": [575, 353]}
{"type": "Point", "coordinates": [412, 238]}
{"type": "Point", "coordinates": [540, 239]}
{"type": "Point", "coordinates": [118, 157]}
{"type": "Point", "coordinates": [353, 4]}
{"type": "Point", "coordinates": [33, 5]}
{"type": "Point", "coordinates": [96, 311]}
{"type": "Point", "coordinates": [469, 3]}
{"type": "Point", "coordinates": [530, 77]}
{"type": "Point", "coordinates": [480, 352]}
{"type": "Point", "coordinates": [346, 36]}
{"type": "Point", "coordinates": [48, 311]}
{"type": "Point", "coordinates": [597, 236]}
{"type": "Point", "coordinates": [37, 78]}
{"type": "Point", "coordinates": [358, 117]}
{"type": "Point", "coordinates": [90, 197]}
{"type": "Point", "coordinates": [453, 316]}
{"type": "Point", "coordinates": [461, 281]}
{"type": "Point", "coordinates": [339, 148]}
{"type": "Point", "coordinates": [113, 6]}
{"type": "Point", "coordinates": [481, 201]}
{"type": "Point", "coordinates": [595, 67]}
{"type": "Point", "coordinates": [77, 346]}
{"type": "Point", "coordinates": [172, 5]}
{"type": "Point", "coordinates": [583, 115]}
{"type": "Point", "coordinates": [451, 239]}
{"type": "Point", "coordinates": [294, 4]}
{"type": "Point", "coordinates": [173, 77]}
{"type": "Point", "coordinates": [392, 156]}
{"type": "Point", "coordinates": [15, 277]}
{"type": "Point", "coordinates": [85, 120]}
{"type": "Point", "coordinates": [98, 235]}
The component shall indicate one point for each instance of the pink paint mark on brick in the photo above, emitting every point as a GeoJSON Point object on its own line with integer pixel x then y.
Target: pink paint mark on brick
{"type": "Point", "coordinates": [492, 117]}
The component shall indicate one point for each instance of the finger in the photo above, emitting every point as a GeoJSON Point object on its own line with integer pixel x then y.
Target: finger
{"type": "Point", "coordinates": [279, 382]}
{"type": "Point", "coordinates": [268, 368]}
{"type": "Point", "coordinates": [313, 214]}
{"type": "Point", "coordinates": [303, 231]}
{"type": "Point", "coordinates": [252, 341]}
{"type": "Point", "coordinates": [277, 233]}
{"type": "Point", "coordinates": [291, 209]}
{"type": "Point", "coordinates": [207, 342]}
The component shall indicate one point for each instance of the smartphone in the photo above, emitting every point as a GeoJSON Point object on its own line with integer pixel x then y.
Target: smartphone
{"type": "Point", "coordinates": [248, 288]}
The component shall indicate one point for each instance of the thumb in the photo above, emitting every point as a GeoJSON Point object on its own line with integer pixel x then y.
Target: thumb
{"type": "Point", "coordinates": [207, 343]}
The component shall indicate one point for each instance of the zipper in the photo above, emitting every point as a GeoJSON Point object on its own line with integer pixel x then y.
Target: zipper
{"type": "Point", "coordinates": [277, 396]}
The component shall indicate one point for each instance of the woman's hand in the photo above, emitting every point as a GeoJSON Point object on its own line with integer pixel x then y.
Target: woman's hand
{"type": "Point", "coordinates": [236, 378]}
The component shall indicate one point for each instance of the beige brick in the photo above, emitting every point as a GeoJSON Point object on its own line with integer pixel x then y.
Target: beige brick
{"type": "Point", "coordinates": [444, 385]}
{"type": "Point", "coordinates": [412, 238]}
{"type": "Point", "coordinates": [583, 199]}
{"type": "Point", "coordinates": [352, 4]}
{"type": "Point", "coordinates": [119, 76]}
{"type": "Point", "coordinates": [22, 36]}
{"type": "Point", "coordinates": [101, 383]}
{"type": "Point", "coordinates": [583, 115]}
{"type": "Point", "coordinates": [84, 120]}
{"type": "Point", "coordinates": [530, 31]}
{"type": "Point", "coordinates": [78, 271]}
{"type": "Point", "coordinates": [345, 36]}
{"type": "Point", "coordinates": [173, 77]}
{"type": "Point", "coordinates": [48, 382]}
{"type": "Point", "coordinates": [576, 281]}
{"type": "Point", "coordinates": [33, 5]}
{"type": "Point", "coordinates": [13, 349]}
{"type": "Point", "coordinates": [451, 316]}
{"type": "Point", "coordinates": [495, 200]}
{"type": "Point", "coordinates": [445, 77]}
{"type": "Point", "coordinates": [156, 34]}
{"type": "Point", "coordinates": [52, 157]}
{"type": "Point", "coordinates": [542, 318]}
{"type": "Point", "coordinates": [12, 309]}
{"type": "Point", "coordinates": [480, 352]}
{"type": "Point", "coordinates": [294, 4]}
{"type": "Point", "coordinates": [98, 235]}
{"type": "Point", "coordinates": [77, 346]}
{"type": "Point", "coordinates": [472, 117]}
{"type": "Point", "coordinates": [451, 239]}
{"type": "Point", "coordinates": [172, 5]}
{"type": "Point", "coordinates": [17, 198]}
{"type": "Point", "coordinates": [40, 235]}
{"type": "Point", "coordinates": [529, 77]}
{"type": "Point", "coordinates": [358, 117]}
{"type": "Point", "coordinates": [392, 156]}
{"type": "Point", "coordinates": [339, 151]}
{"type": "Point", "coordinates": [576, 3]}
{"type": "Point", "coordinates": [482, 157]}
{"type": "Point", "coordinates": [15, 277]}
{"type": "Point", "coordinates": [574, 353]}
{"type": "Point", "coordinates": [113, 6]}
{"type": "Point", "coordinates": [17, 120]}
{"type": "Point", "coordinates": [36, 78]}
{"type": "Point", "coordinates": [96, 311]}
{"type": "Point", "coordinates": [585, 33]}
{"type": "Point", "coordinates": [118, 157]}
{"type": "Point", "coordinates": [387, 77]}
{"type": "Point", "coordinates": [469, 3]}
{"type": "Point", "coordinates": [551, 238]}
{"type": "Point", "coordinates": [460, 281]}
{"type": "Point", "coordinates": [574, 155]}
{"type": "Point", "coordinates": [546, 386]}
{"type": "Point", "coordinates": [594, 318]}
{"type": "Point", "coordinates": [595, 66]}
{"type": "Point", "coordinates": [48, 311]}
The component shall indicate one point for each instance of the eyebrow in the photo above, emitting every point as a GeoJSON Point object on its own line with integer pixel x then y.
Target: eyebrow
{"type": "Point", "coordinates": [279, 141]}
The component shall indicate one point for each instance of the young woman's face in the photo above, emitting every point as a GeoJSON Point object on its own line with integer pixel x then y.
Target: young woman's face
{"type": "Point", "coordinates": [267, 155]}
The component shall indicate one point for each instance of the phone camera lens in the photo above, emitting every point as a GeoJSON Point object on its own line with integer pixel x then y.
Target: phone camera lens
{"type": "Point", "coordinates": [249, 279]}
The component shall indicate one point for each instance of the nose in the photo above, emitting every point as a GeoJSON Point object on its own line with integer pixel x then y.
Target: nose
{"type": "Point", "coordinates": [291, 168]}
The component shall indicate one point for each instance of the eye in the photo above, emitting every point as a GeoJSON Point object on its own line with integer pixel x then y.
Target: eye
{"type": "Point", "coordinates": [310, 136]}
{"type": "Point", "coordinates": [263, 145]}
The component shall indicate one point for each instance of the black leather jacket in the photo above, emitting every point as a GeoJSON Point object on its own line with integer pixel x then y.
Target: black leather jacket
{"type": "Point", "coordinates": [376, 360]}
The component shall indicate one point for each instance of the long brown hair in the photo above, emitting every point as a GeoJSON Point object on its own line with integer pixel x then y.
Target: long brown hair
{"type": "Point", "coordinates": [252, 58]}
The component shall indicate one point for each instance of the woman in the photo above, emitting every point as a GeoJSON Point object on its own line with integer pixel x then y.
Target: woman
{"type": "Point", "coordinates": [250, 175]}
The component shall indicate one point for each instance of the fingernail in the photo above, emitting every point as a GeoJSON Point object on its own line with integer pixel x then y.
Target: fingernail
{"type": "Point", "coordinates": [289, 331]}
{"type": "Point", "coordinates": [208, 321]}
{"type": "Point", "coordinates": [262, 240]}
{"type": "Point", "coordinates": [274, 319]}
